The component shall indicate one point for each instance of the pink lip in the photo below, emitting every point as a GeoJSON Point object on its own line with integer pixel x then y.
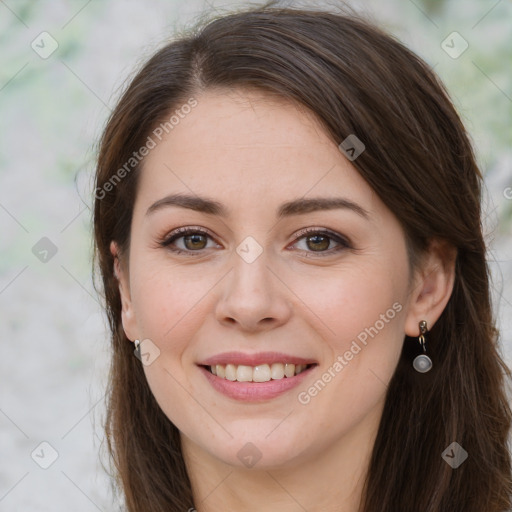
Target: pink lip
{"type": "Point", "coordinates": [255, 391]}
{"type": "Point", "coordinates": [238, 358]}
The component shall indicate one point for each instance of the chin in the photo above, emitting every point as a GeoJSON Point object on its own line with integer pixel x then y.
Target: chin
{"type": "Point", "coordinates": [258, 454]}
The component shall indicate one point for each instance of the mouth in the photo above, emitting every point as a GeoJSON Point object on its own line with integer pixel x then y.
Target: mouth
{"type": "Point", "coordinates": [255, 377]}
{"type": "Point", "coordinates": [260, 373]}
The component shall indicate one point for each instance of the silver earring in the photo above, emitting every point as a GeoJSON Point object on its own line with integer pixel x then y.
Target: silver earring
{"type": "Point", "coordinates": [137, 349]}
{"type": "Point", "coordinates": [422, 363]}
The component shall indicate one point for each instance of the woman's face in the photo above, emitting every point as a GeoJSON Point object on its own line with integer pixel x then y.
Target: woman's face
{"type": "Point", "coordinates": [267, 276]}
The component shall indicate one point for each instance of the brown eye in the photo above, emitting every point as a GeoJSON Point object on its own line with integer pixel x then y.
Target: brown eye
{"type": "Point", "coordinates": [318, 242]}
{"type": "Point", "coordinates": [195, 241]}
{"type": "Point", "coordinates": [187, 241]}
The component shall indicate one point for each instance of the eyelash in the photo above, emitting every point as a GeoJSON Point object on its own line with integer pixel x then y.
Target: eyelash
{"type": "Point", "coordinates": [182, 232]}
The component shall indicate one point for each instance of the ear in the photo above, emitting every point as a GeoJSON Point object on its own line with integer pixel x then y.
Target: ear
{"type": "Point", "coordinates": [432, 286]}
{"type": "Point", "coordinates": [121, 274]}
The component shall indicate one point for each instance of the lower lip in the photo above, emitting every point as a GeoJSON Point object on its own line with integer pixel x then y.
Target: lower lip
{"type": "Point", "coordinates": [254, 391]}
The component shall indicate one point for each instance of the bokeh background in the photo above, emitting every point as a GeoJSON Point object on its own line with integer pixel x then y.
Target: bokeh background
{"type": "Point", "coordinates": [62, 66]}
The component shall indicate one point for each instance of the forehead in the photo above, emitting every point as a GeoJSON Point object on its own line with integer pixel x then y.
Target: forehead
{"type": "Point", "coordinates": [248, 146]}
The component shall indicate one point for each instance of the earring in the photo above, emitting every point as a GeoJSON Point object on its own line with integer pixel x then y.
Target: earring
{"type": "Point", "coordinates": [422, 363]}
{"type": "Point", "coordinates": [137, 349]}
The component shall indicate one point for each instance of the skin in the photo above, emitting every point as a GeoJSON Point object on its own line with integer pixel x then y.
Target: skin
{"type": "Point", "coordinates": [252, 152]}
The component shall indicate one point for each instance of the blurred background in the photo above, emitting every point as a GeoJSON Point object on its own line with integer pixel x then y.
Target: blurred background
{"type": "Point", "coordinates": [62, 64]}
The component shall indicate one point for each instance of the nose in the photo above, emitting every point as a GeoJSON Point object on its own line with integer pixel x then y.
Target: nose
{"type": "Point", "coordinates": [254, 298]}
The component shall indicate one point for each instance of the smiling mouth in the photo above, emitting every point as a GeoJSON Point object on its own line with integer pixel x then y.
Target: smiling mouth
{"type": "Point", "coordinates": [260, 373]}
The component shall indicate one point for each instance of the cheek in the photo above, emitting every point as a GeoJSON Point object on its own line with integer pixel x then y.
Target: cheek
{"type": "Point", "coordinates": [364, 314]}
{"type": "Point", "coordinates": [361, 311]}
{"type": "Point", "coordinates": [349, 302]}
{"type": "Point", "coordinates": [166, 299]}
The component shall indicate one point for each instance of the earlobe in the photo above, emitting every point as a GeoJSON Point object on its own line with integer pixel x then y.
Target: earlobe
{"type": "Point", "coordinates": [127, 313]}
{"type": "Point", "coordinates": [433, 286]}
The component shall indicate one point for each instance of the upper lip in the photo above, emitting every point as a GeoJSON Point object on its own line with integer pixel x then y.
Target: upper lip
{"type": "Point", "coordinates": [240, 358]}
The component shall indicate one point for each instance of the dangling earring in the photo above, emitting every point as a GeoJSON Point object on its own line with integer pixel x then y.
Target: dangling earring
{"type": "Point", "coordinates": [422, 363]}
{"type": "Point", "coordinates": [137, 349]}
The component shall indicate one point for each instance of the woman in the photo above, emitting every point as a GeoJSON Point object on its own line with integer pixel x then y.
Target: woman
{"type": "Point", "coordinates": [287, 225]}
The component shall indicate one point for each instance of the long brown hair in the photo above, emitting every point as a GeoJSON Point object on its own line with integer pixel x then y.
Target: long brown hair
{"type": "Point", "coordinates": [357, 80]}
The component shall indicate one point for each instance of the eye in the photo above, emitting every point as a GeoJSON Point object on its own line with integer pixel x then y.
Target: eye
{"type": "Point", "coordinates": [194, 239]}
{"type": "Point", "coordinates": [319, 240]}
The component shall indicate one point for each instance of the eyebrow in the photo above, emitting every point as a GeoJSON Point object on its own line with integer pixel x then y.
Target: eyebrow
{"type": "Point", "coordinates": [295, 207]}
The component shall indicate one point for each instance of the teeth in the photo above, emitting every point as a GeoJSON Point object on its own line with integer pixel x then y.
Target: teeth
{"type": "Point", "coordinates": [277, 371]}
{"type": "Point", "coordinates": [220, 371]}
{"type": "Point", "coordinates": [244, 373]}
{"type": "Point", "coordinates": [261, 373]}
{"type": "Point", "coordinates": [289, 370]}
{"type": "Point", "coordinates": [230, 372]}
